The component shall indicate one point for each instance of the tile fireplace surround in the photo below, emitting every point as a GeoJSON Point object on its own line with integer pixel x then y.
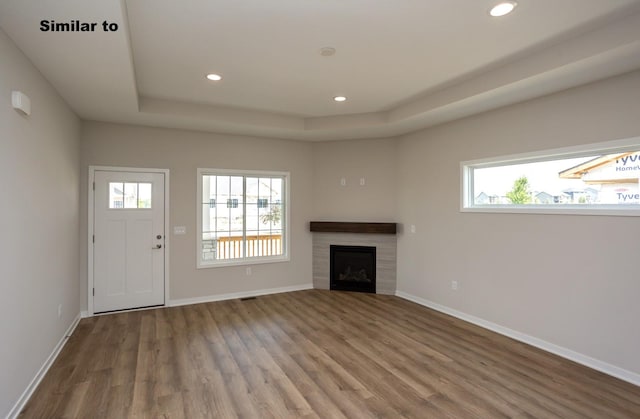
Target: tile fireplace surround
{"type": "Point", "coordinates": [380, 235]}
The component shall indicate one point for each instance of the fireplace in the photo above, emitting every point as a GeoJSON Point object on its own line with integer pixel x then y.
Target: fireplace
{"type": "Point", "coordinates": [381, 236]}
{"type": "Point", "coordinates": [353, 268]}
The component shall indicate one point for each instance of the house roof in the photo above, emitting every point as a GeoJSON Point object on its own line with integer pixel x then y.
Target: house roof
{"type": "Point", "coordinates": [403, 65]}
{"type": "Point", "coordinates": [576, 172]}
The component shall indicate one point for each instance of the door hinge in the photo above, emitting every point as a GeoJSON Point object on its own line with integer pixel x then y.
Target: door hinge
{"type": "Point", "coordinates": [94, 186]}
{"type": "Point", "coordinates": [94, 238]}
{"type": "Point", "coordinates": [94, 292]}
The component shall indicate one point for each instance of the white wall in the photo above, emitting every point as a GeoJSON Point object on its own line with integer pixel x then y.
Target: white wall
{"type": "Point", "coordinates": [569, 280]}
{"type": "Point", "coordinates": [182, 152]}
{"type": "Point", "coordinates": [39, 172]}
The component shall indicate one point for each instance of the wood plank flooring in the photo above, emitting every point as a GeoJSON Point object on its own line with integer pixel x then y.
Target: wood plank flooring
{"type": "Point", "coordinates": [314, 354]}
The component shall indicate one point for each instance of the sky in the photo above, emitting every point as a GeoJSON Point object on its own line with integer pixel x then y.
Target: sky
{"type": "Point", "coordinates": [542, 176]}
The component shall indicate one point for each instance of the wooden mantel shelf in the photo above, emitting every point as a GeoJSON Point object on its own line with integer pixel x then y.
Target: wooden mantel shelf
{"type": "Point", "coordinates": [347, 227]}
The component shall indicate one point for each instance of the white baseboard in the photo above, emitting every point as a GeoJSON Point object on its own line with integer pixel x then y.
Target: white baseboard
{"type": "Point", "coordinates": [84, 314]}
{"type": "Point", "coordinates": [585, 360]}
{"type": "Point", "coordinates": [28, 392]}
{"type": "Point", "coordinates": [232, 296]}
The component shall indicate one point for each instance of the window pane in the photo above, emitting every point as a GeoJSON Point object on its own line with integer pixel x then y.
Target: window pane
{"type": "Point", "coordinates": [209, 247]}
{"type": "Point", "coordinates": [270, 217]}
{"type": "Point", "coordinates": [252, 190]}
{"type": "Point", "coordinates": [222, 185]}
{"type": "Point", "coordinates": [241, 217]}
{"type": "Point", "coordinates": [252, 219]}
{"type": "Point", "coordinates": [604, 179]}
{"type": "Point", "coordinates": [269, 244]}
{"type": "Point", "coordinates": [208, 219]}
{"type": "Point", "coordinates": [229, 246]}
{"type": "Point", "coordinates": [236, 220]}
{"type": "Point", "coordinates": [208, 188]}
{"type": "Point", "coordinates": [144, 195]}
{"type": "Point", "coordinates": [275, 216]}
{"type": "Point", "coordinates": [116, 195]}
{"type": "Point", "coordinates": [276, 188]}
{"type": "Point", "coordinates": [264, 188]}
{"type": "Point", "coordinates": [264, 244]}
{"type": "Point", "coordinates": [131, 195]}
{"type": "Point", "coordinates": [236, 189]}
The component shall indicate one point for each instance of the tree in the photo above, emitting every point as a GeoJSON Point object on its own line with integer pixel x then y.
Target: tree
{"type": "Point", "coordinates": [520, 193]}
{"type": "Point", "coordinates": [273, 216]}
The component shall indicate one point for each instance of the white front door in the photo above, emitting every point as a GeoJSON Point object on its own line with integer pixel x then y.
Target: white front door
{"type": "Point", "coordinates": [129, 240]}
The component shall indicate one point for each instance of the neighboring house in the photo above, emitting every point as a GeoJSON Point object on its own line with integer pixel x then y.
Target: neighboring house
{"type": "Point", "coordinates": [544, 198]}
{"type": "Point", "coordinates": [616, 174]}
{"type": "Point", "coordinates": [486, 199]}
{"type": "Point", "coordinates": [579, 196]}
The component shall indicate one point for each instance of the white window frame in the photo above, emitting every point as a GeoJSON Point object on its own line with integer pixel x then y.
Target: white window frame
{"type": "Point", "coordinates": [609, 147]}
{"type": "Point", "coordinates": [200, 264]}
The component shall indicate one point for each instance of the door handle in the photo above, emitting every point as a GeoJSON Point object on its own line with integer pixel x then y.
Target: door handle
{"type": "Point", "coordinates": [158, 246]}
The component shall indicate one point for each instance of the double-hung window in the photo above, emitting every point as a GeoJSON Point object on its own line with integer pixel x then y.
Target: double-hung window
{"type": "Point", "coordinates": [242, 217]}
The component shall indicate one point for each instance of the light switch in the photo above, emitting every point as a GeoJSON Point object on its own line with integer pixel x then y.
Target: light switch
{"type": "Point", "coordinates": [179, 230]}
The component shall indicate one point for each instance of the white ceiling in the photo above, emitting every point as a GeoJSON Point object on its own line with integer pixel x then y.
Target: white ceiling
{"type": "Point", "coordinates": [403, 64]}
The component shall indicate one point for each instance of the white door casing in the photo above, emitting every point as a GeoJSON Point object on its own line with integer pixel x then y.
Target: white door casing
{"type": "Point", "coordinates": [129, 240]}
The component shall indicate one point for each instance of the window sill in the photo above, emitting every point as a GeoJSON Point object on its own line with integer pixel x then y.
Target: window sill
{"type": "Point", "coordinates": [243, 262]}
{"type": "Point", "coordinates": [608, 210]}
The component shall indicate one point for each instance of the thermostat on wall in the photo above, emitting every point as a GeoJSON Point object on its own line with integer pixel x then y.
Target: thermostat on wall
{"type": "Point", "coordinates": [21, 102]}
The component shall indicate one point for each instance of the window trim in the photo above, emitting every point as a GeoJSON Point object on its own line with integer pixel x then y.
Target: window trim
{"type": "Point", "coordinates": [608, 147]}
{"type": "Point", "coordinates": [285, 257]}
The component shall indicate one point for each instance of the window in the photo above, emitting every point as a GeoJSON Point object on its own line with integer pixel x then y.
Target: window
{"type": "Point", "coordinates": [129, 195]}
{"type": "Point", "coordinates": [595, 179]}
{"type": "Point", "coordinates": [242, 217]}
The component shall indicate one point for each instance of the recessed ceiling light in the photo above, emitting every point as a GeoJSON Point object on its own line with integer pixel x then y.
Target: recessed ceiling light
{"type": "Point", "coordinates": [503, 8]}
{"type": "Point", "coordinates": [340, 98]}
{"type": "Point", "coordinates": [214, 77]}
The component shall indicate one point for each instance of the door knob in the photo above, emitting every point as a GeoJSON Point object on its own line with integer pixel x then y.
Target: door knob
{"type": "Point", "coordinates": [158, 246]}
{"type": "Point", "coordinates": [159, 236]}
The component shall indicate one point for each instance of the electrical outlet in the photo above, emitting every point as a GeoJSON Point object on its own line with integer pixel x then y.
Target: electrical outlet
{"type": "Point", "coordinates": [454, 285]}
{"type": "Point", "coordinates": [248, 271]}
{"type": "Point", "coordinates": [59, 310]}
{"type": "Point", "coordinates": [413, 228]}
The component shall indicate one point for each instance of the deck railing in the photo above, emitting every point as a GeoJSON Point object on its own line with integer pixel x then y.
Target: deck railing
{"type": "Point", "coordinates": [262, 245]}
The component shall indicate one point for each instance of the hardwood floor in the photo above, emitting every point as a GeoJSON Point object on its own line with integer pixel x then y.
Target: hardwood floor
{"type": "Point", "coordinates": [315, 354]}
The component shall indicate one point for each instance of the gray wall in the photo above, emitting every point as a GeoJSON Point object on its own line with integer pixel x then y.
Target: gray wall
{"type": "Point", "coordinates": [375, 160]}
{"type": "Point", "coordinates": [39, 215]}
{"type": "Point", "coordinates": [569, 280]}
{"type": "Point", "coordinates": [182, 152]}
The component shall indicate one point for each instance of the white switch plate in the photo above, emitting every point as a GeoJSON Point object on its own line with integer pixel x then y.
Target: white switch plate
{"type": "Point", "coordinates": [248, 271]}
{"type": "Point", "coordinates": [413, 228]}
{"type": "Point", "coordinates": [343, 182]}
{"type": "Point", "coordinates": [362, 181]}
{"type": "Point", "coordinates": [179, 230]}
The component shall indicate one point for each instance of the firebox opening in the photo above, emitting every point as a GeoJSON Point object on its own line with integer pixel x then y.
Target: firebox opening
{"type": "Point", "coordinates": [353, 268]}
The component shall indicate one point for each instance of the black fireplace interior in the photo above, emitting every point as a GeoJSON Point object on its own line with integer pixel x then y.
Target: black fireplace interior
{"type": "Point", "coordinates": [353, 268]}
